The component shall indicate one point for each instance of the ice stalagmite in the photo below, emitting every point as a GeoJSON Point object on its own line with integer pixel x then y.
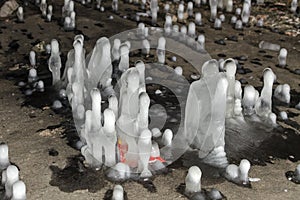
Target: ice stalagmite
{"type": "Point", "coordinates": [153, 8]}
{"type": "Point", "coordinates": [12, 176]}
{"type": "Point", "coordinates": [124, 53]}
{"type": "Point", "coordinates": [282, 93]}
{"type": "Point", "coordinates": [263, 106]}
{"type": "Point", "coordinates": [115, 51]}
{"type": "Point", "coordinates": [230, 68]}
{"type": "Point", "coordinates": [19, 191]}
{"type": "Point", "coordinates": [161, 50]}
{"type": "Point", "coordinates": [99, 66]}
{"type": "Point", "coordinates": [213, 9]}
{"type": "Point", "coordinates": [145, 146]}
{"type": "Point", "coordinates": [54, 62]}
{"type": "Point", "coordinates": [118, 193]}
{"type": "Point", "coordinates": [193, 180]}
{"type": "Point", "coordinates": [205, 131]}
{"type": "Point", "coordinates": [4, 159]}
{"type": "Point", "coordinates": [249, 100]}
{"type": "Point", "coordinates": [20, 14]}
{"type": "Point", "coordinates": [142, 117]}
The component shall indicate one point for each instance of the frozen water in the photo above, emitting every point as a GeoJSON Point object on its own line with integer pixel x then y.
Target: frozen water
{"type": "Point", "coordinates": [124, 53]}
{"type": "Point", "coordinates": [161, 50]}
{"type": "Point", "coordinates": [238, 174]}
{"type": "Point", "coordinates": [222, 18]}
{"type": "Point", "coordinates": [114, 5]}
{"type": "Point", "coordinates": [180, 12]}
{"type": "Point", "coordinates": [190, 8]}
{"type": "Point", "coordinates": [20, 14]}
{"type": "Point", "coordinates": [229, 6]}
{"type": "Point", "coordinates": [260, 23]}
{"type": "Point", "coordinates": [238, 11]}
{"type": "Point", "coordinates": [193, 180]}
{"type": "Point", "coordinates": [50, 10]}
{"type": "Point", "coordinates": [43, 8]}
{"type": "Point", "coordinates": [118, 193]}
{"type": "Point", "coordinates": [213, 9]}
{"type": "Point", "coordinates": [154, 10]}
{"type": "Point", "coordinates": [146, 47]}
{"type": "Point", "coordinates": [178, 70]}
{"type": "Point", "coordinates": [238, 25]}
{"type": "Point", "coordinates": [230, 68]}
{"type": "Point", "coordinates": [269, 46]}
{"type": "Point", "coordinates": [48, 17]}
{"type": "Point", "coordinates": [145, 146]}
{"type": "Point", "coordinates": [206, 131]}
{"type": "Point", "coordinates": [244, 168]}
{"type": "Point", "coordinates": [32, 59]}
{"type": "Point", "coordinates": [294, 5]}
{"type": "Point", "coordinates": [263, 105]}
{"type": "Point", "coordinates": [156, 132]}
{"type": "Point", "coordinates": [198, 18]}
{"type": "Point", "coordinates": [4, 158]}
{"type": "Point", "coordinates": [32, 75]}
{"type": "Point", "coordinates": [233, 19]}
{"type": "Point", "coordinates": [167, 137]}
{"type": "Point", "coordinates": [201, 40]}
{"type": "Point", "coordinates": [115, 52]}
{"type": "Point", "coordinates": [57, 105]}
{"type": "Point", "coordinates": [12, 176]}
{"type": "Point", "coordinates": [192, 29]}
{"type": "Point", "coordinates": [54, 62]}
{"type": "Point", "coordinates": [283, 115]}
{"type": "Point", "coordinates": [167, 8]}
{"type": "Point", "coordinates": [218, 24]}
{"type": "Point", "coordinates": [19, 191]}
{"type": "Point", "coordinates": [282, 57]}
{"type": "Point", "coordinates": [282, 93]}
{"type": "Point", "coordinates": [246, 12]}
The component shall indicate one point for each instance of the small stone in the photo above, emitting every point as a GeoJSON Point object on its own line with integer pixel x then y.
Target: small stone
{"type": "Point", "coordinates": [220, 42]}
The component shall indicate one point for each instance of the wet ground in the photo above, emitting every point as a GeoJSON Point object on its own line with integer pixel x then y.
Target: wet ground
{"type": "Point", "coordinates": [41, 141]}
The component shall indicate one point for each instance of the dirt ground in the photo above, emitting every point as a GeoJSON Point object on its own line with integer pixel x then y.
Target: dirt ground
{"type": "Point", "coordinates": [38, 137]}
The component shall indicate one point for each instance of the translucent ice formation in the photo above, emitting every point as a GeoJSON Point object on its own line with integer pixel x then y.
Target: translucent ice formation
{"type": "Point", "coordinates": [190, 8]}
{"type": "Point", "coordinates": [43, 8]}
{"type": "Point", "coordinates": [282, 93]}
{"type": "Point", "coordinates": [115, 52]}
{"type": "Point", "coordinates": [180, 12]}
{"type": "Point", "coordinates": [124, 53]}
{"type": "Point", "coordinates": [192, 29]}
{"type": "Point", "coordinates": [230, 68]}
{"type": "Point", "coordinates": [269, 46]}
{"type": "Point", "coordinates": [206, 131]}
{"type": "Point", "coordinates": [282, 57]}
{"type": "Point", "coordinates": [12, 176]}
{"type": "Point", "coordinates": [32, 76]}
{"type": "Point", "coordinates": [239, 174]}
{"type": "Point", "coordinates": [19, 191]}
{"type": "Point", "coordinates": [218, 24]}
{"type": "Point", "coordinates": [54, 62]}
{"type": "Point", "coordinates": [32, 59]}
{"type": "Point", "coordinates": [4, 159]}
{"type": "Point", "coordinates": [294, 5]}
{"type": "Point", "coordinates": [238, 25]}
{"type": "Point", "coordinates": [118, 193]}
{"type": "Point", "coordinates": [167, 137]}
{"type": "Point", "coordinates": [229, 6]}
{"type": "Point", "coordinates": [145, 145]}
{"type": "Point", "coordinates": [263, 105]}
{"type": "Point", "coordinates": [249, 100]}
{"type": "Point", "coordinates": [146, 47]}
{"type": "Point", "coordinates": [246, 12]}
{"type": "Point", "coordinates": [213, 9]}
{"type": "Point", "coordinates": [154, 10]}
{"type": "Point", "coordinates": [201, 40]}
{"type": "Point", "coordinates": [20, 14]}
{"type": "Point", "coordinates": [161, 50]}
{"type": "Point", "coordinates": [198, 18]}
{"type": "Point", "coordinates": [114, 5]}
{"type": "Point", "coordinates": [283, 115]}
{"type": "Point", "coordinates": [193, 180]}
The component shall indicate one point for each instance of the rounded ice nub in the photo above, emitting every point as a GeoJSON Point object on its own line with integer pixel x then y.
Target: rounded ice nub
{"type": "Point", "coordinates": [244, 168]}
{"type": "Point", "coordinates": [167, 137]}
{"type": "Point", "coordinates": [218, 24]}
{"type": "Point", "coordinates": [294, 5]}
{"type": "Point", "coordinates": [115, 52]}
{"type": "Point", "coordinates": [146, 47]}
{"type": "Point", "coordinates": [192, 29]}
{"type": "Point", "coordinates": [269, 46]}
{"type": "Point", "coordinates": [233, 19]}
{"type": "Point", "coordinates": [193, 180]}
{"type": "Point", "coordinates": [201, 40]}
{"type": "Point", "coordinates": [283, 115]}
{"type": "Point", "coordinates": [12, 176]}
{"type": "Point", "coordinates": [32, 75]}
{"type": "Point", "coordinates": [156, 132]}
{"type": "Point", "coordinates": [282, 57]}
{"type": "Point", "coordinates": [20, 14]}
{"type": "Point", "coordinates": [282, 93]}
{"type": "Point", "coordinates": [178, 70]}
{"type": "Point", "coordinates": [4, 158]}
{"type": "Point", "coordinates": [238, 25]}
{"type": "Point", "coordinates": [118, 193]}
{"type": "Point", "coordinates": [198, 18]}
{"type": "Point", "coordinates": [19, 191]}
{"type": "Point", "coordinates": [232, 172]}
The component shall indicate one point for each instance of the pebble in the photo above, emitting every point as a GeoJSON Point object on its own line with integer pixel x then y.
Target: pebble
{"type": "Point", "coordinates": [233, 38]}
{"type": "Point", "coordinates": [297, 71]}
{"type": "Point", "coordinates": [220, 42]}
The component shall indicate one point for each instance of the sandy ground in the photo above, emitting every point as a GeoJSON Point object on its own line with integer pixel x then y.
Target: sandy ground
{"type": "Point", "coordinates": [31, 132]}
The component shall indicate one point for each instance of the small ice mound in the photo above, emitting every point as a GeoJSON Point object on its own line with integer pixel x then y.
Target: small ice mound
{"type": "Point", "coordinates": [282, 57]}
{"type": "Point", "coordinates": [294, 176]}
{"type": "Point", "coordinates": [32, 75]}
{"type": "Point", "coordinates": [57, 105]}
{"type": "Point", "coordinates": [118, 193]}
{"type": "Point", "coordinates": [193, 180]}
{"type": "Point", "coordinates": [12, 176]}
{"type": "Point", "coordinates": [283, 115]}
{"type": "Point", "coordinates": [272, 119]}
{"type": "Point", "coordinates": [156, 132]}
{"type": "Point", "coordinates": [40, 86]}
{"type": "Point", "coordinates": [239, 174]}
{"type": "Point", "coordinates": [282, 93]}
{"type": "Point", "coordinates": [19, 191]}
{"type": "Point", "coordinates": [4, 158]}
{"type": "Point", "coordinates": [167, 137]}
{"type": "Point", "coordinates": [178, 70]}
{"type": "Point", "coordinates": [120, 172]}
{"type": "Point", "coordinates": [215, 194]}
{"type": "Point", "coordinates": [158, 92]}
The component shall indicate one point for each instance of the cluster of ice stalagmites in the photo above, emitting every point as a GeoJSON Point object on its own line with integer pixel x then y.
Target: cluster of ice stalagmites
{"type": "Point", "coordinates": [14, 188]}
{"type": "Point", "coordinates": [119, 137]}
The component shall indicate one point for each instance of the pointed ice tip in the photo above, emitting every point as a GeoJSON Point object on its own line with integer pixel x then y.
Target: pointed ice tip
{"type": "Point", "coordinates": [19, 191]}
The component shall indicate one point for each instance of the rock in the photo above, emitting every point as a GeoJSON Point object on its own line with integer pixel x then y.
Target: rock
{"type": "Point", "coordinates": [8, 8]}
